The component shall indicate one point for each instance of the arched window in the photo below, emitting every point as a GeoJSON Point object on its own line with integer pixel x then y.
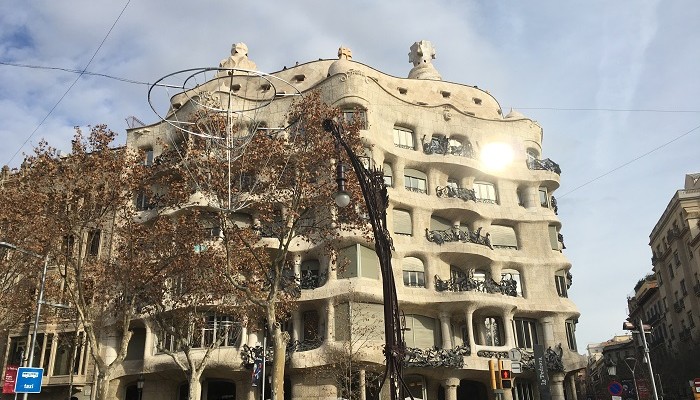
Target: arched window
{"type": "Point", "coordinates": [403, 138]}
{"type": "Point", "coordinates": [415, 180]}
{"type": "Point", "coordinates": [421, 332]}
{"type": "Point", "coordinates": [491, 332]}
{"type": "Point", "coordinates": [485, 192]}
{"type": "Point", "coordinates": [503, 237]}
{"type": "Point", "coordinates": [358, 261]}
{"type": "Point", "coordinates": [512, 276]}
{"type": "Point", "coordinates": [561, 282]}
{"type": "Point", "coordinates": [403, 225]}
{"type": "Point", "coordinates": [310, 274]}
{"type": "Point", "coordinates": [413, 272]}
{"type": "Point", "coordinates": [355, 115]}
{"type": "Point", "coordinates": [526, 332]}
{"type": "Point", "coordinates": [388, 175]}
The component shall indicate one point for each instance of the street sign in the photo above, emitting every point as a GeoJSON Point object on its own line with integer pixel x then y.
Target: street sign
{"type": "Point", "coordinates": [515, 355]}
{"type": "Point", "coordinates": [615, 388]}
{"type": "Point", "coordinates": [29, 380]}
{"type": "Point", "coordinates": [516, 367]}
{"type": "Point", "coordinates": [10, 376]}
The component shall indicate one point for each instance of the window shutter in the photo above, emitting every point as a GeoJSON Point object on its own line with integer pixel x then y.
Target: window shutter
{"type": "Point", "coordinates": [503, 236]}
{"type": "Point", "coordinates": [369, 263]}
{"type": "Point", "coordinates": [402, 222]}
{"type": "Point", "coordinates": [342, 322]}
{"type": "Point", "coordinates": [439, 224]}
{"type": "Point", "coordinates": [553, 237]}
{"type": "Point", "coordinates": [422, 333]}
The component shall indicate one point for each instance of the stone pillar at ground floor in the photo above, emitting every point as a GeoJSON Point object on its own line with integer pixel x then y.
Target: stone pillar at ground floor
{"type": "Point", "coordinates": [556, 386]}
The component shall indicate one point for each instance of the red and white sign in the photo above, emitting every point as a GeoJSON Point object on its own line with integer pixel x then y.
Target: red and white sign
{"type": "Point", "coordinates": [10, 378]}
{"type": "Point", "coordinates": [696, 383]}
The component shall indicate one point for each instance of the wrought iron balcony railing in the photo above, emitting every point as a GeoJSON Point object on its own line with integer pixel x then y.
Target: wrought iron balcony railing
{"type": "Point", "coordinates": [679, 306]}
{"type": "Point", "coordinates": [312, 279]}
{"type": "Point", "coordinates": [696, 289]}
{"type": "Point", "coordinates": [507, 286]}
{"type": "Point", "coordinates": [456, 192]}
{"type": "Point", "coordinates": [441, 145]}
{"type": "Point", "coordinates": [455, 234]}
{"type": "Point", "coordinates": [436, 357]}
{"type": "Point", "coordinates": [546, 164]}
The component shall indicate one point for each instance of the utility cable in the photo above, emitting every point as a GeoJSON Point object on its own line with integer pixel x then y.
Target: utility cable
{"type": "Point", "coordinates": [631, 161]}
{"type": "Point", "coordinates": [72, 84]}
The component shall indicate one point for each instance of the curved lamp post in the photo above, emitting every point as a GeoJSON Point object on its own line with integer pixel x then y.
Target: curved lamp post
{"type": "Point", "coordinates": [376, 199]}
{"type": "Point", "coordinates": [39, 301]}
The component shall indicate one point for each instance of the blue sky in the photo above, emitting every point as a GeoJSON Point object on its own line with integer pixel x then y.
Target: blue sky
{"type": "Point", "coordinates": [572, 66]}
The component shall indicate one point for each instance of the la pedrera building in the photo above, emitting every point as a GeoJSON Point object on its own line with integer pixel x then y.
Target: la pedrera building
{"type": "Point", "coordinates": [478, 256]}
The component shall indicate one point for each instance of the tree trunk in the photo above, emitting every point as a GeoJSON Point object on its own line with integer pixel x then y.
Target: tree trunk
{"type": "Point", "coordinates": [195, 389]}
{"type": "Point", "coordinates": [102, 385]}
{"type": "Point", "coordinates": [280, 352]}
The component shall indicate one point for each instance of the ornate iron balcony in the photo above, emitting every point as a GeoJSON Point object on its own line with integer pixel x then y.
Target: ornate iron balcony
{"type": "Point", "coordinates": [441, 145]}
{"type": "Point", "coordinates": [415, 189]}
{"type": "Point", "coordinates": [455, 234]}
{"type": "Point", "coordinates": [456, 192]}
{"type": "Point", "coordinates": [546, 164]}
{"type": "Point", "coordinates": [312, 279]}
{"type": "Point", "coordinates": [467, 283]}
{"type": "Point", "coordinates": [696, 289]}
{"type": "Point", "coordinates": [679, 306]}
{"type": "Point", "coordinates": [552, 358]}
{"type": "Point", "coordinates": [436, 357]}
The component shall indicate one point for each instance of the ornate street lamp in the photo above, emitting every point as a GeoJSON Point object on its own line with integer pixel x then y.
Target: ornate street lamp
{"type": "Point", "coordinates": [39, 300]}
{"type": "Point", "coordinates": [376, 199]}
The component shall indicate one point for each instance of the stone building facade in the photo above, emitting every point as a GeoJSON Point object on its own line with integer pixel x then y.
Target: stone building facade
{"type": "Point", "coordinates": [478, 255]}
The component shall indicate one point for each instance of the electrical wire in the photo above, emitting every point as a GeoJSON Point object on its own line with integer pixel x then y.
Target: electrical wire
{"type": "Point", "coordinates": [72, 84]}
{"type": "Point", "coordinates": [631, 161]}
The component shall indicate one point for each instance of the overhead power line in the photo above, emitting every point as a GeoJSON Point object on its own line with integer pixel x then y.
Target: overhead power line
{"type": "Point", "coordinates": [631, 161]}
{"type": "Point", "coordinates": [80, 74]}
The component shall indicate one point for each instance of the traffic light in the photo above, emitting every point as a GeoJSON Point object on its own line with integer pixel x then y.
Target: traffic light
{"type": "Point", "coordinates": [506, 379]}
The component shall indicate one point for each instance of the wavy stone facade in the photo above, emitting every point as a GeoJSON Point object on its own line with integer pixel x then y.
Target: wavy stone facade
{"type": "Point", "coordinates": [477, 260]}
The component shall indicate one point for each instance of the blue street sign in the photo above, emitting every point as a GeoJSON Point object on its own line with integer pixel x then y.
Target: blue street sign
{"type": "Point", "coordinates": [615, 388]}
{"type": "Point", "coordinates": [28, 380]}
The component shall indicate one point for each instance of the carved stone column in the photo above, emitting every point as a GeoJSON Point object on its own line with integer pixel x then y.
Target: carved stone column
{"type": "Point", "coordinates": [556, 385]}
{"type": "Point", "coordinates": [548, 331]}
{"type": "Point", "coordinates": [571, 380]}
{"type": "Point", "coordinates": [330, 319]}
{"type": "Point", "coordinates": [445, 330]}
{"type": "Point", "coordinates": [469, 318]}
{"type": "Point", "coordinates": [508, 329]}
{"type": "Point", "coordinates": [531, 197]}
{"type": "Point", "coordinates": [451, 385]}
{"type": "Point", "coordinates": [297, 265]}
{"type": "Point", "coordinates": [296, 325]}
